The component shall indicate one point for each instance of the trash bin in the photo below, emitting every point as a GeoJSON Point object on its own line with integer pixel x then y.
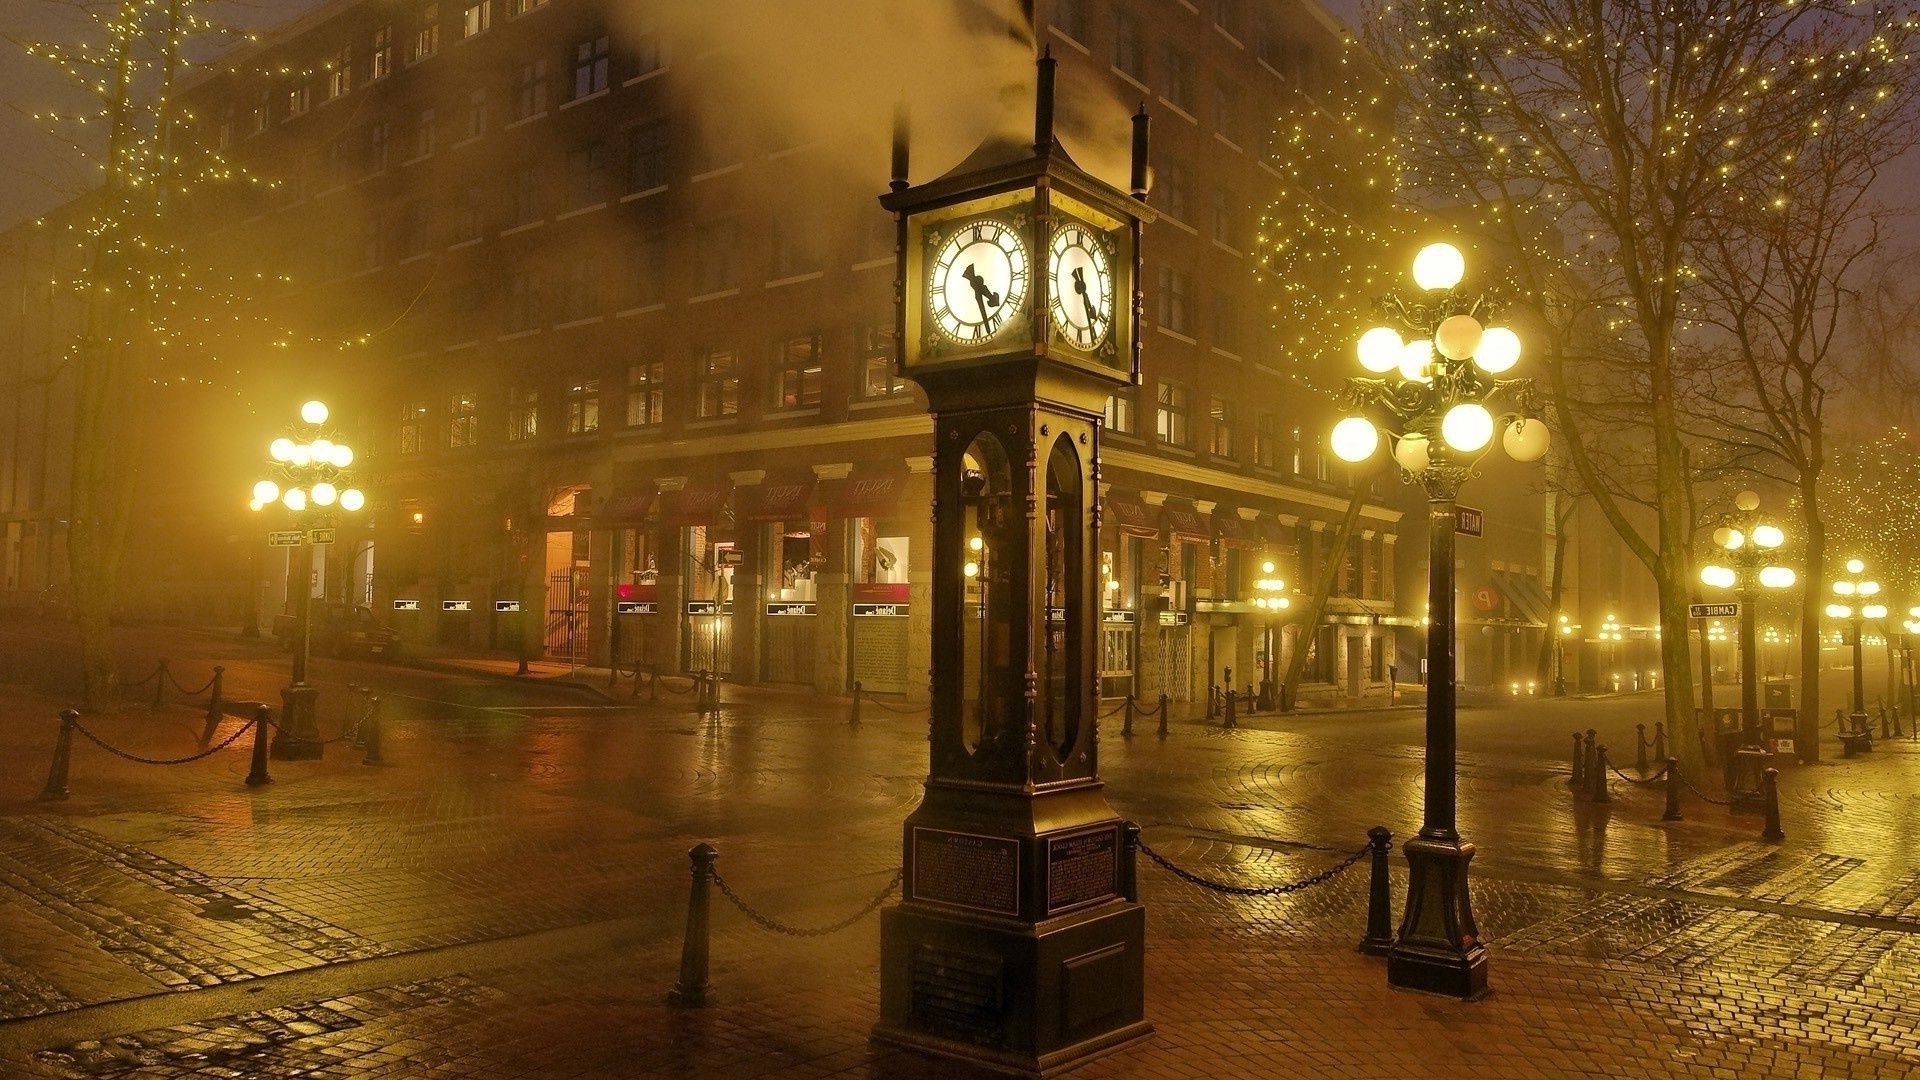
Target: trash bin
{"type": "Point", "coordinates": [1776, 694]}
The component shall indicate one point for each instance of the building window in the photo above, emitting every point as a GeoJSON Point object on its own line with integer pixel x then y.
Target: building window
{"type": "Point", "coordinates": [523, 414]}
{"type": "Point", "coordinates": [796, 247]}
{"type": "Point", "coordinates": [413, 427]}
{"type": "Point", "coordinates": [297, 99]}
{"type": "Point", "coordinates": [1226, 15]}
{"type": "Point", "coordinates": [1175, 314]}
{"type": "Point", "coordinates": [798, 361]}
{"type": "Point", "coordinates": [1170, 184]}
{"type": "Point", "coordinates": [476, 18]}
{"type": "Point", "coordinates": [526, 194]}
{"type": "Point", "coordinates": [583, 407]}
{"type": "Point", "coordinates": [1226, 321]}
{"type": "Point", "coordinates": [1226, 217]}
{"type": "Point", "coordinates": [648, 54]}
{"type": "Point", "coordinates": [1070, 18]}
{"type": "Point", "coordinates": [470, 219]}
{"type": "Point", "coordinates": [1266, 438]}
{"type": "Point", "coordinates": [377, 146]}
{"type": "Point", "coordinates": [340, 73]}
{"type": "Point", "coordinates": [1320, 470]}
{"type": "Point", "coordinates": [1175, 412]}
{"type": "Point", "coordinates": [1220, 434]}
{"type": "Point", "coordinates": [411, 230]}
{"type": "Point", "coordinates": [1226, 110]}
{"type": "Point", "coordinates": [257, 116]}
{"type": "Point", "coordinates": [1129, 45]}
{"type": "Point", "coordinates": [463, 425]}
{"type": "Point", "coordinates": [647, 156]}
{"type": "Point", "coordinates": [426, 33]}
{"type": "Point", "coordinates": [532, 99]}
{"type": "Point", "coordinates": [646, 261]}
{"type": "Point", "coordinates": [717, 259]}
{"type": "Point", "coordinates": [646, 394]}
{"type": "Point", "coordinates": [521, 7]}
{"type": "Point", "coordinates": [877, 376]}
{"type": "Point", "coordinates": [1293, 451]}
{"type": "Point", "coordinates": [1120, 413]}
{"type": "Point", "coordinates": [476, 114]}
{"type": "Point", "coordinates": [719, 384]}
{"type": "Point", "coordinates": [590, 66]}
{"type": "Point", "coordinates": [382, 53]}
{"type": "Point", "coordinates": [423, 133]}
{"type": "Point", "coordinates": [582, 297]}
{"type": "Point", "coordinates": [1179, 78]}
{"type": "Point", "coordinates": [523, 302]}
{"type": "Point", "coordinates": [587, 175]}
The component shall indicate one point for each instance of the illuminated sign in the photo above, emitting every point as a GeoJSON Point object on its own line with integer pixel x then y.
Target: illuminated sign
{"type": "Point", "coordinates": [320, 536]}
{"type": "Point", "coordinates": [406, 605]}
{"type": "Point", "coordinates": [456, 605]}
{"type": "Point", "coordinates": [1713, 611]}
{"type": "Point", "coordinates": [286, 538]}
{"type": "Point", "coordinates": [636, 607]}
{"type": "Point", "coordinates": [791, 608]}
{"type": "Point", "coordinates": [879, 611]}
{"type": "Point", "coordinates": [506, 605]}
{"type": "Point", "coordinates": [1117, 616]}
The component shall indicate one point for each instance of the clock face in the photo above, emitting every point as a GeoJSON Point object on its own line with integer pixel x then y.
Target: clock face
{"type": "Point", "coordinates": [978, 283]}
{"type": "Point", "coordinates": [1082, 286]}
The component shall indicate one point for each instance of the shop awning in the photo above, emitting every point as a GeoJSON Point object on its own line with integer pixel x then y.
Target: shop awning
{"type": "Point", "coordinates": [625, 505]}
{"type": "Point", "coordinates": [1277, 534]}
{"type": "Point", "coordinates": [869, 492]}
{"type": "Point", "coordinates": [777, 500]}
{"type": "Point", "coordinates": [1132, 516]}
{"type": "Point", "coordinates": [699, 506]}
{"type": "Point", "coordinates": [1235, 532]}
{"type": "Point", "coordinates": [1186, 523]}
{"type": "Point", "coordinates": [1524, 595]}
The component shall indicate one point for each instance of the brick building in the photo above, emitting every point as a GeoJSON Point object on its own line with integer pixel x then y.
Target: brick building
{"type": "Point", "coordinates": [615, 347]}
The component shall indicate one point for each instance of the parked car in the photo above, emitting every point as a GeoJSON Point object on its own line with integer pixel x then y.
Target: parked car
{"type": "Point", "coordinates": [343, 630]}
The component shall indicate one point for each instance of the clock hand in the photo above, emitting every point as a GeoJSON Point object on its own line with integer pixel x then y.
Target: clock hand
{"type": "Point", "coordinates": [982, 295]}
{"type": "Point", "coordinates": [1080, 286]}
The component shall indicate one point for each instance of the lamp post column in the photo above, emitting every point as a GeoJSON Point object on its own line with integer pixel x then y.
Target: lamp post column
{"type": "Point", "coordinates": [1859, 674]}
{"type": "Point", "coordinates": [1749, 669]}
{"type": "Point", "coordinates": [298, 736]}
{"type": "Point", "coordinates": [1438, 948]}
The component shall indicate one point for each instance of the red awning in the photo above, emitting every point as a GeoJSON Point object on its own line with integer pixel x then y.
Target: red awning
{"type": "Point", "coordinates": [1234, 531]}
{"type": "Point", "coordinates": [869, 493]}
{"type": "Point", "coordinates": [1278, 534]}
{"type": "Point", "coordinates": [626, 505]}
{"type": "Point", "coordinates": [700, 506]}
{"type": "Point", "coordinates": [1132, 516]}
{"type": "Point", "coordinates": [1187, 523]}
{"type": "Point", "coordinates": [778, 500]}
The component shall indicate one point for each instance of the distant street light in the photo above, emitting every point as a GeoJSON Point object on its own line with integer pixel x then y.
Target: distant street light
{"type": "Point", "coordinates": [309, 481]}
{"type": "Point", "coordinates": [1747, 549]}
{"type": "Point", "coordinates": [1432, 397]}
{"type": "Point", "coordinates": [1560, 662]}
{"type": "Point", "coordinates": [1269, 596]}
{"type": "Point", "coordinates": [1856, 606]}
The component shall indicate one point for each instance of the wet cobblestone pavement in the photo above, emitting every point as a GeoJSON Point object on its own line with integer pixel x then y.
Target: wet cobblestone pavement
{"type": "Point", "coordinates": [504, 898]}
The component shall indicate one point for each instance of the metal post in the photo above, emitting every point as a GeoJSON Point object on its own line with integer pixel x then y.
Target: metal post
{"type": "Point", "coordinates": [1886, 732]}
{"type": "Point", "coordinates": [1749, 657]}
{"type": "Point", "coordinates": [1126, 723]}
{"type": "Point", "coordinates": [690, 991]}
{"type": "Point", "coordinates": [1593, 741]}
{"type": "Point", "coordinates": [653, 688]}
{"type": "Point", "coordinates": [1897, 733]}
{"type": "Point", "coordinates": [1660, 739]}
{"type": "Point", "coordinates": [1213, 700]}
{"type": "Point", "coordinates": [1601, 793]}
{"type": "Point", "coordinates": [1229, 721]}
{"type": "Point", "coordinates": [1379, 938]}
{"type": "Point", "coordinates": [213, 703]}
{"type": "Point", "coordinates": [56, 789]}
{"type": "Point", "coordinates": [1640, 754]}
{"type": "Point", "coordinates": [160, 686]}
{"type": "Point", "coordinates": [1706, 672]}
{"type": "Point", "coordinates": [1163, 715]}
{"type": "Point", "coordinates": [1770, 791]}
{"type": "Point", "coordinates": [1129, 870]}
{"type": "Point", "coordinates": [853, 717]}
{"type": "Point", "coordinates": [1859, 677]}
{"type": "Point", "coordinates": [1673, 791]}
{"type": "Point", "coordinates": [373, 734]}
{"type": "Point", "coordinates": [1579, 763]}
{"type": "Point", "coordinates": [257, 775]}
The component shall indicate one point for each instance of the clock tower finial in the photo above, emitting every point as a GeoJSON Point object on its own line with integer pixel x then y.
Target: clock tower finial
{"type": "Point", "coordinates": [1043, 105]}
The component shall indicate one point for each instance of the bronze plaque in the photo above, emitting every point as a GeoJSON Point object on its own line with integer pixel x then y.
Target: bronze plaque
{"type": "Point", "coordinates": [967, 870]}
{"type": "Point", "coordinates": [1082, 868]}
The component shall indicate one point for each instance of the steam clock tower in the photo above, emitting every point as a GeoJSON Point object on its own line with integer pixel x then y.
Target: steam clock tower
{"type": "Point", "coordinates": [1017, 944]}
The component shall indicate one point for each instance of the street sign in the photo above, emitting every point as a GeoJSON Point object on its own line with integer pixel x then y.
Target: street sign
{"type": "Point", "coordinates": [456, 605]}
{"type": "Point", "coordinates": [635, 607]}
{"type": "Point", "coordinates": [320, 536]}
{"type": "Point", "coordinates": [406, 605]}
{"type": "Point", "coordinates": [1713, 611]}
{"type": "Point", "coordinates": [791, 607]}
{"type": "Point", "coordinates": [879, 611]}
{"type": "Point", "coordinates": [286, 538]}
{"type": "Point", "coordinates": [506, 605]}
{"type": "Point", "coordinates": [1469, 522]}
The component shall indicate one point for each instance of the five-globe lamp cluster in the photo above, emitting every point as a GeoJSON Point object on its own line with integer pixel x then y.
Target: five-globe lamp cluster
{"type": "Point", "coordinates": [1746, 548]}
{"type": "Point", "coordinates": [1437, 378]}
{"type": "Point", "coordinates": [1856, 586]}
{"type": "Point", "coordinates": [311, 468]}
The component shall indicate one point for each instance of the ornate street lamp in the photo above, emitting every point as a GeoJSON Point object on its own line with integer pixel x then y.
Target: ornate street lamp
{"type": "Point", "coordinates": [1747, 543]}
{"type": "Point", "coordinates": [1855, 606]}
{"type": "Point", "coordinates": [310, 481]}
{"type": "Point", "coordinates": [1912, 625]}
{"type": "Point", "coordinates": [1432, 396]}
{"type": "Point", "coordinates": [1560, 658]}
{"type": "Point", "coordinates": [1269, 597]}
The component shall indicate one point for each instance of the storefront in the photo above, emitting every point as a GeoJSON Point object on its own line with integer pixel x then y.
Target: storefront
{"type": "Point", "coordinates": [880, 590]}
{"type": "Point", "coordinates": [711, 554]}
{"type": "Point", "coordinates": [635, 576]}
{"type": "Point", "coordinates": [1128, 529]}
{"type": "Point", "coordinates": [793, 554]}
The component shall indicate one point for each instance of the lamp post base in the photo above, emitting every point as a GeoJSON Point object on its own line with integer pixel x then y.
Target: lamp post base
{"type": "Point", "coordinates": [1438, 950]}
{"type": "Point", "coordinates": [298, 736]}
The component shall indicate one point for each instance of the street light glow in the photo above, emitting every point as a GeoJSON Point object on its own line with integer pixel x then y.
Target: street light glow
{"type": "Point", "coordinates": [1458, 336]}
{"type": "Point", "coordinates": [1380, 349]}
{"type": "Point", "coordinates": [1768, 536]}
{"type": "Point", "coordinates": [314, 412]}
{"type": "Point", "coordinates": [266, 491]}
{"type": "Point", "coordinates": [352, 499]}
{"type": "Point", "coordinates": [1467, 427]}
{"type": "Point", "coordinates": [1355, 439]}
{"type": "Point", "coordinates": [1412, 452]}
{"type": "Point", "coordinates": [294, 499]}
{"type": "Point", "coordinates": [1499, 350]}
{"type": "Point", "coordinates": [324, 494]}
{"type": "Point", "coordinates": [1526, 440]}
{"type": "Point", "coordinates": [1438, 267]}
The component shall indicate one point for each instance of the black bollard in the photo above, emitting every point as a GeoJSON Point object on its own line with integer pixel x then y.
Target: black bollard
{"type": "Point", "coordinates": [257, 775]}
{"type": "Point", "coordinates": [1660, 740]}
{"type": "Point", "coordinates": [853, 715]}
{"type": "Point", "coordinates": [1897, 733]}
{"type": "Point", "coordinates": [1640, 754]}
{"type": "Point", "coordinates": [1379, 939]}
{"type": "Point", "coordinates": [1126, 722]}
{"type": "Point", "coordinates": [1213, 701]}
{"type": "Point", "coordinates": [1770, 791]}
{"type": "Point", "coordinates": [1673, 791]}
{"type": "Point", "coordinates": [160, 686]}
{"type": "Point", "coordinates": [1230, 721]}
{"type": "Point", "coordinates": [1592, 742]}
{"type": "Point", "coordinates": [1163, 715]}
{"type": "Point", "coordinates": [1601, 792]}
{"type": "Point", "coordinates": [1886, 732]}
{"type": "Point", "coordinates": [56, 789]}
{"type": "Point", "coordinates": [691, 991]}
{"type": "Point", "coordinates": [1129, 869]}
{"type": "Point", "coordinates": [653, 688]}
{"type": "Point", "coordinates": [1579, 764]}
{"type": "Point", "coordinates": [213, 703]}
{"type": "Point", "coordinates": [372, 726]}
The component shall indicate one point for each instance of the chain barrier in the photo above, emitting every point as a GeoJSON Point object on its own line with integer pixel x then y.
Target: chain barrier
{"type": "Point", "coordinates": [1115, 711]}
{"type": "Point", "coordinates": [1642, 781]}
{"type": "Point", "coordinates": [204, 687]}
{"type": "Point", "coordinates": [897, 710]}
{"type": "Point", "coordinates": [692, 684]}
{"type": "Point", "coordinates": [1191, 878]}
{"type": "Point", "coordinates": [768, 923]}
{"type": "Point", "coordinates": [1688, 784]}
{"type": "Point", "coordinates": [209, 752]}
{"type": "Point", "coordinates": [134, 684]}
{"type": "Point", "coordinates": [1143, 710]}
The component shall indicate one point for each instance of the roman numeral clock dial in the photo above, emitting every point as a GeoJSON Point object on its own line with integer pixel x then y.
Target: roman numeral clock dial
{"type": "Point", "coordinates": [1082, 300]}
{"type": "Point", "coordinates": [978, 283]}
